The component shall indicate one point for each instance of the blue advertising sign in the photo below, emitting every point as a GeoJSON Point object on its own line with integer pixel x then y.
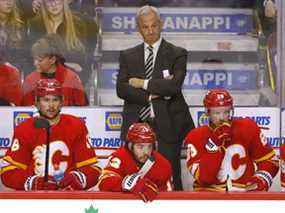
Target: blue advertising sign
{"type": "Point", "coordinates": [20, 116]}
{"type": "Point", "coordinates": [113, 121]}
{"type": "Point", "coordinates": [201, 79]}
{"type": "Point", "coordinates": [228, 79]}
{"type": "Point", "coordinates": [183, 21]}
{"type": "Point", "coordinates": [5, 142]}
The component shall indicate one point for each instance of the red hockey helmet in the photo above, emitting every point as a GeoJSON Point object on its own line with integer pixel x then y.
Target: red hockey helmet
{"type": "Point", "coordinates": [140, 133]}
{"type": "Point", "coordinates": [48, 87]}
{"type": "Point", "coordinates": [218, 98]}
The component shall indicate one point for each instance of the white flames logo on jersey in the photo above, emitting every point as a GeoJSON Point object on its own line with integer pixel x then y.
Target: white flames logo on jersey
{"type": "Point", "coordinates": [58, 151]}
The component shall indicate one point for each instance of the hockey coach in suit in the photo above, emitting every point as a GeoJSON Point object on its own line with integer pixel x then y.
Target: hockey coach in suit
{"type": "Point", "coordinates": [150, 81]}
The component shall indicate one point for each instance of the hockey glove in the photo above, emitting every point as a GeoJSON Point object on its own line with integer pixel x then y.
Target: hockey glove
{"type": "Point", "coordinates": [261, 181]}
{"type": "Point", "coordinates": [222, 134]}
{"type": "Point", "coordinates": [209, 167]}
{"type": "Point", "coordinates": [38, 183]}
{"type": "Point", "coordinates": [142, 187]}
{"type": "Point", "coordinates": [73, 180]}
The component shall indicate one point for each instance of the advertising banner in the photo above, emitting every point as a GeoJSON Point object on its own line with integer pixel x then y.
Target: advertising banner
{"type": "Point", "coordinates": [183, 20]}
{"type": "Point", "coordinates": [104, 125]}
{"type": "Point", "coordinates": [199, 77]}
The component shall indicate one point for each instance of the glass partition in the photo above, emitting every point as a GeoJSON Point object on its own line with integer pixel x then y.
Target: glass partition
{"type": "Point", "coordinates": [231, 44]}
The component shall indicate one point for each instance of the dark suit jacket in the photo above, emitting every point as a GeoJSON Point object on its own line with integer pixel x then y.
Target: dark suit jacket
{"type": "Point", "coordinates": [172, 116]}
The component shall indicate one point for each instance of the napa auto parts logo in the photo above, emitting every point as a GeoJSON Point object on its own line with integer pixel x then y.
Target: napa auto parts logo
{"type": "Point", "coordinates": [21, 116]}
{"type": "Point", "coordinates": [263, 122]}
{"type": "Point", "coordinates": [113, 121]}
{"type": "Point", "coordinates": [202, 118]}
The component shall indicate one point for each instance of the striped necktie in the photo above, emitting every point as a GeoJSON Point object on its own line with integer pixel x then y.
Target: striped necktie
{"type": "Point", "coordinates": [144, 113]}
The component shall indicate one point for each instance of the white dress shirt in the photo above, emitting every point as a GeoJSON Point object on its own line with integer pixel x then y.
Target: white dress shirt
{"type": "Point", "coordinates": [155, 46]}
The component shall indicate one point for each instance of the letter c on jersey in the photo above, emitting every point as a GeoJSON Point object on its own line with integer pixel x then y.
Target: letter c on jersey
{"type": "Point", "coordinates": [58, 153]}
{"type": "Point", "coordinates": [233, 165]}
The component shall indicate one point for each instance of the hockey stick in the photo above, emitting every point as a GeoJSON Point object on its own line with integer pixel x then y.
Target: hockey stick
{"type": "Point", "coordinates": [44, 123]}
{"type": "Point", "coordinates": [147, 166]}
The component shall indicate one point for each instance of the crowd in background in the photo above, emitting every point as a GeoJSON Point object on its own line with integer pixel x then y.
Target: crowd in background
{"type": "Point", "coordinates": [23, 23]}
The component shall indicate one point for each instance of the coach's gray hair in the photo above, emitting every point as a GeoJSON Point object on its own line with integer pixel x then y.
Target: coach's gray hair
{"type": "Point", "coordinates": [146, 10]}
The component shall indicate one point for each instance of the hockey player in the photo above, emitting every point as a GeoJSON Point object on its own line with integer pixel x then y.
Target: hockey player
{"type": "Point", "coordinates": [136, 167]}
{"type": "Point", "coordinates": [229, 154]}
{"type": "Point", "coordinates": [52, 151]}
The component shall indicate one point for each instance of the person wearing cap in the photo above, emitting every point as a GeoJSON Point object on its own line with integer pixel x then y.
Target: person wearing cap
{"type": "Point", "coordinates": [51, 151]}
{"type": "Point", "coordinates": [229, 154]}
{"type": "Point", "coordinates": [137, 168]}
{"type": "Point", "coordinates": [48, 53]}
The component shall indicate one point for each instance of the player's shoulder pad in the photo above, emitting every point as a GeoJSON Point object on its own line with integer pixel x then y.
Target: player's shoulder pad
{"type": "Point", "coordinates": [72, 119]}
{"type": "Point", "coordinates": [245, 122]}
{"type": "Point", "coordinates": [119, 156]}
{"type": "Point", "coordinates": [197, 134]}
{"type": "Point", "coordinates": [10, 67]}
{"type": "Point", "coordinates": [160, 159]}
{"type": "Point", "coordinates": [244, 126]}
{"type": "Point", "coordinates": [27, 124]}
{"type": "Point", "coordinates": [162, 164]}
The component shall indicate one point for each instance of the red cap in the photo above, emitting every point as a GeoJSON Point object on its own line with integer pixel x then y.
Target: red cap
{"type": "Point", "coordinates": [48, 87]}
{"type": "Point", "coordinates": [141, 133]}
{"type": "Point", "coordinates": [218, 98]}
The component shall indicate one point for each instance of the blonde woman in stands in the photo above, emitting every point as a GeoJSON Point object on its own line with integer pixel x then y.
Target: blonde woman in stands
{"type": "Point", "coordinates": [78, 32]}
{"type": "Point", "coordinates": [12, 33]}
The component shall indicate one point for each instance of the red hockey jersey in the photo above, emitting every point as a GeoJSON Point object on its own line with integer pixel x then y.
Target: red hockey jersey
{"type": "Point", "coordinates": [121, 163]}
{"type": "Point", "coordinates": [69, 149]}
{"type": "Point", "coordinates": [72, 87]}
{"type": "Point", "coordinates": [247, 149]}
{"type": "Point", "coordinates": [10, 84]}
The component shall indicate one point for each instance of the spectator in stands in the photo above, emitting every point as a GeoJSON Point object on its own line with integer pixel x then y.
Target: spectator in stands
{"type": "Point", "coordinates": [270, 8]}
{"type": "Point", "coordinates": [31, 7]}
{"type": "Point", "coordinates": [137, 167]}
{"type": "Point", "coordinates": [78, 32]}
{"type": "Point", "coordinates": [267, 12]}
{"type": "Point", "coordinates": [150, 81]}
{"type": "Point", "coordinates": [13, 34]}
{"type": "Point", "coordinates": [60, 138]}
{"type": "Point", "coordinates": [10, 85]}
{"type": "Point", "coordinates": [48, 54]}
{"type": "Point", "coordinates": [229, 154]}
